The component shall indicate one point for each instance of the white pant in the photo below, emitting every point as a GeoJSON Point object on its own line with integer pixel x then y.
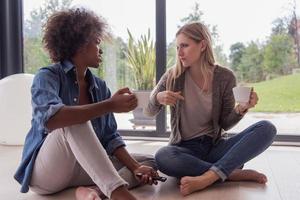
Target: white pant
{"type": "Point", "coordinates": [73, 156]}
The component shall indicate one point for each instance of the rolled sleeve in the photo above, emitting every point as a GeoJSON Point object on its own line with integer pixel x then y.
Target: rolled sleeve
{"type": "Point", "coordinates": [114, 144]}
{"type": "Point", "coordinates": [45, 97]}
{"type": "Point", "coordinates": [50, 112]}
{"type": "Point", "coordinates": [112, 139]}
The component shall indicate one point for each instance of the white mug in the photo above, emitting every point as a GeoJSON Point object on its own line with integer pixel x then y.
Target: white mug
{"type": "Point", "coordinates": [242, 94]}
{"type": "Point", "coordinates": [142, 98]}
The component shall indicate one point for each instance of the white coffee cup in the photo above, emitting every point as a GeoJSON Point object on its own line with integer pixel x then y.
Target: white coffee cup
{"type": "Point", "coordinates": [142, 98]}
{"type": "Point", "coordinates": [242, 94]}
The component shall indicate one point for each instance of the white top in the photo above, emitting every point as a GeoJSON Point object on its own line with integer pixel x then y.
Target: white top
{"type": "Point", "coordinates": [196, 110]}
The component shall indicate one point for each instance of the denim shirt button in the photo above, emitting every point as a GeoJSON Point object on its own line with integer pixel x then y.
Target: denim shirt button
{"type": "Point", "coordinates": [75, 99]}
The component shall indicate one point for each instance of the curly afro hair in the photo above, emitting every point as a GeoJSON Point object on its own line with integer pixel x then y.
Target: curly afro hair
{"type": "Point", "coordinates": [68, 30]}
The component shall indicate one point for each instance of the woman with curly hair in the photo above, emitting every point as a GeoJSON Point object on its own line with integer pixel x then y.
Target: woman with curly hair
{"type": "Point", "coordinates": [73, 140]}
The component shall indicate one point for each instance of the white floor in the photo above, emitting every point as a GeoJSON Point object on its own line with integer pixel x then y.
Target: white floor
{"type": "Point", "coordinates": [280, 164]}
{"type": "Point", "coordinates": [286, 123]}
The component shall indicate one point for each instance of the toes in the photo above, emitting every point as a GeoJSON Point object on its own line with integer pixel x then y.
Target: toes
{"type": "Point", "coordinates": [262, 178]}
{"type": "Point", "coordinates": [184, 191]}
{"type": "Point", "coordinates": [184, 179]}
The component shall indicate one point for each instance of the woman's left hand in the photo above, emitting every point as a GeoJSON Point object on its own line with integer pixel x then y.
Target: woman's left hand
{"type": "Point", "coordinates": [145, 173]}
{"type": "Point", "coordinates": [252, 102]}
{"type": "Point", "coordinates": [253, 99]}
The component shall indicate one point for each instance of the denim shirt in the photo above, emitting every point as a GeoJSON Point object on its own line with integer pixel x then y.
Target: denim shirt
{"type": "Point", "coordinates": [53, 87]}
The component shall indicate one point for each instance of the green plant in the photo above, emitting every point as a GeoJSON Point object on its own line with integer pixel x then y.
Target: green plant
{"type": "Point", "coordinates": [140, 56]}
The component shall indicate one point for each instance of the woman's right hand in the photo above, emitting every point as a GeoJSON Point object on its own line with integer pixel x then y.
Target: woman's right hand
{"type": "Point", "coordinates": [123, 101]}
{"type": "Point", "coordinates": [169, 97]}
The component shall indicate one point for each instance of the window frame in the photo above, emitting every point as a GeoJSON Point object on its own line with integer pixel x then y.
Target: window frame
{"type": "Point", "coordinates": [11, 59]}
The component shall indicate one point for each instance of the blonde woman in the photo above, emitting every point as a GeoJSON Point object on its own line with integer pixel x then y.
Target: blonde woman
{"type": "Point", "coordinates": [200, 97]}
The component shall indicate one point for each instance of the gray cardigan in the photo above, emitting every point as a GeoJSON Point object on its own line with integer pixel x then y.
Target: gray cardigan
{"type": "Point", "coordinates": [223, 114]}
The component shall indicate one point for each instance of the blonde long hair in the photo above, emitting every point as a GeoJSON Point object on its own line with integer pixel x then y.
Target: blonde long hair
{"type": "Point", "coordinates": [197, 32]}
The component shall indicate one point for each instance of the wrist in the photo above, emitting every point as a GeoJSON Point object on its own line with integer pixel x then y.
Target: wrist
{"type": "Point", "coordinates": [156, 99]}
{"type": "Point", "coordinates": [241, 110]}
{"type": "Point", "coordinates": [109, 105]}
{"type": "Point", "coordinates": [135, 166]}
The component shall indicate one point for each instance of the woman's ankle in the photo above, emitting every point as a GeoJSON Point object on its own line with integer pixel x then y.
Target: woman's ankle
{"type": "Point", "coordinates": [211, 175]}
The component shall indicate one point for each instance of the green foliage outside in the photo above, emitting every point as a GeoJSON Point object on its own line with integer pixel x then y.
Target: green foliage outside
{"type": "Point", "coordinates": [34, 55]}
{"type": "Point", "coordinates": [38, 17]}
{"type": "Point", "coordinates": [250, 68]}
{"type": "Point", "coordinates": [255, 61]}
{"type": "Point", "coordinates": [277, 56]}
{"type": "Point", "coordinates": [237, 51]}
{"type": "Point", "coordinates": [278, 95]}
{"type": "Point", "coordinates": [171, 54]}
{"type": "Point", "coordinates": [140, 56]}
{"type": "Point", "coordinates": [114, 56]}
{"type": "Point", "coordinates": [258, 62]}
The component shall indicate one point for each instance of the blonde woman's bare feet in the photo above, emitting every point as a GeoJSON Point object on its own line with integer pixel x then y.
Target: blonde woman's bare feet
{"type": "Point", "coordinates": [86, 193]}
{"type": "Point", "coordinates": [189, 184]}
{"type": "Point", "coordinates": [247, 175]}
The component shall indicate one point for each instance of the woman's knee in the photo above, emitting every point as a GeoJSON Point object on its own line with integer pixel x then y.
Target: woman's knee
{"type": "Point", "coordinates": [165, 157]}
{"type": "Point", "coordinates": [268, 129]}
{"type": "Point", "coordinates": [163, 153]}
{"type": "Point", "coordinates": [45, 191]}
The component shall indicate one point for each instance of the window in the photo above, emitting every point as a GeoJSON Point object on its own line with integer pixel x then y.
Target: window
{"type": "Point", "coordinates": [125, 18]}
{"type": "Point", "coordinates": [262, 49]}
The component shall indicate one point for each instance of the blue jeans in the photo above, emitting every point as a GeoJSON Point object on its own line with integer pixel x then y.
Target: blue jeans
{"type": "Point", "coordinates": [196, 156]}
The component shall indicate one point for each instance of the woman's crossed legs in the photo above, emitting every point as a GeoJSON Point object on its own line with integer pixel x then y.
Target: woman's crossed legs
{"type": "Point", "coordinates": [200, 168]}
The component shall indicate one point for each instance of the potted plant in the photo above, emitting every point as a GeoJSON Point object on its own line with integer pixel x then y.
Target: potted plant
{"type": "Point", "coordinates": [140, 56]}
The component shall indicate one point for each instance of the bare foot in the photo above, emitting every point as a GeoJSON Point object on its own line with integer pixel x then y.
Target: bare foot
{"type": "Point", "coordinates": [86, 193]}
{"type": "Point", "coordinates": [247, 175]}
{"type": "Point", "coordinates": [189, 184]}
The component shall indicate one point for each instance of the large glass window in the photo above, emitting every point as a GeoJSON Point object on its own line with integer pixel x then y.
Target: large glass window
{"type": "Point", "coordinates": [259, 40]}
{"type": "Point", "coordinates": [128, 58]}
